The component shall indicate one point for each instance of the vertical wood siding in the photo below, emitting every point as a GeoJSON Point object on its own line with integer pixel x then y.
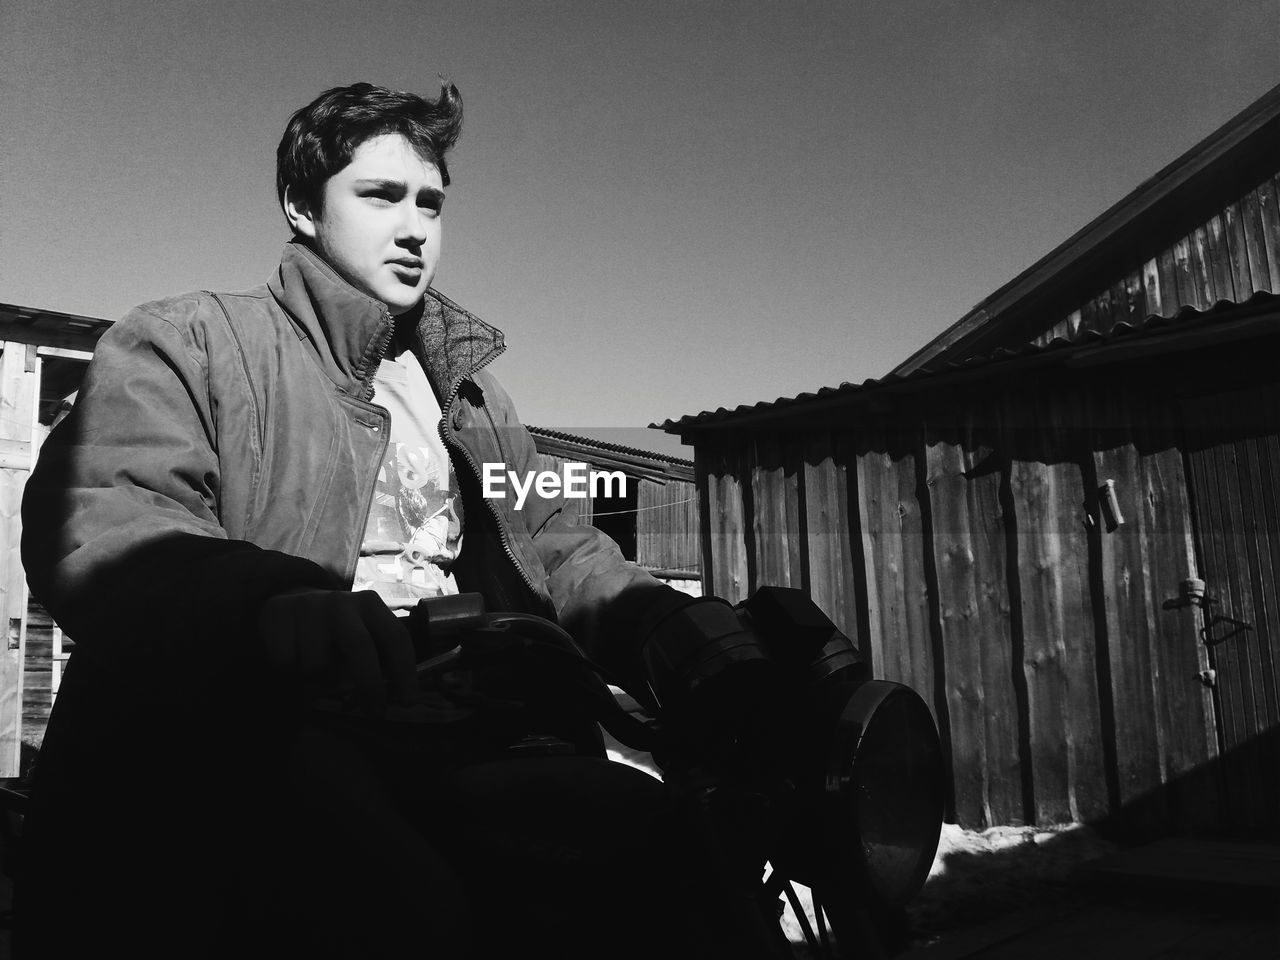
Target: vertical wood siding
{"type": "Point", "coordinates": [18, 391]}
{"type": "Point", "coordinates": [828, 543]}
{"type": "Point", "coordinates": [776, 539]}
{"type": "Point", "coordinates": [667, 525]}
{"type": "Point", "coordinates": [666, 517]}
{"type": "Point", "coordinates": [1059, 636]}
{"type": "Point", "coordinates": [1163, 715]}
{"type": "Point", "coordinates": [964, 479]}
{"type": "Point", "coordinates": [1231, 256]}
{"type": "Point", "coordinates": [38, 687]}
{"type": "Point", "coordinates": [891, 525]}
{"type": "Point", "coordinates": [724, 548]}
{"type": "Point", "coordinates": [965, 546]}
{"type": "Point", "coordinates": [1235, 462]}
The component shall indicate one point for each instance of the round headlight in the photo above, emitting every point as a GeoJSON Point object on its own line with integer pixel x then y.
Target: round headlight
{"type": "Point", "coordinates": [883, 795]}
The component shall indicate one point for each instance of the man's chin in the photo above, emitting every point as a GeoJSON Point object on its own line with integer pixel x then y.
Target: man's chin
{"type": "Point", "coordinates": [399, 305]}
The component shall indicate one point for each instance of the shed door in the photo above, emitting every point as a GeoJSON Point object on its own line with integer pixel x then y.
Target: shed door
{"type": "Point", "coordinates": [1234, 474]}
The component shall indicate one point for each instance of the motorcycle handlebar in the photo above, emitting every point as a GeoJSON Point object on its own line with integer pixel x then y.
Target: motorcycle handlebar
{"type": "Point", "coordinates": [482, 636]}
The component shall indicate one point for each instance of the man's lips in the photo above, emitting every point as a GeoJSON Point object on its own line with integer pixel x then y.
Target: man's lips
{"type": "Point", "coordinates": [408, 270]}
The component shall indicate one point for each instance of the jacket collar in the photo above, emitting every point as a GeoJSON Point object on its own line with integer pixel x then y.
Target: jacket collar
{"type": "Point", "coordinates": [350, 331]}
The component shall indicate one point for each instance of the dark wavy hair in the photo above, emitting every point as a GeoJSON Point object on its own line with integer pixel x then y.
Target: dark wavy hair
{"type": "Point", "coordinates": [320, 139]}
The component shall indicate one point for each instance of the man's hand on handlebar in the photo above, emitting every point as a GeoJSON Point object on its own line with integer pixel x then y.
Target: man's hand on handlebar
{"type": "Point", "coordinates": [350, 642]}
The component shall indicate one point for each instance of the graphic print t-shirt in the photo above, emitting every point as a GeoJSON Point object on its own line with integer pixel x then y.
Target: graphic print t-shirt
{"type": "Point", "coordinates": [415, 527]}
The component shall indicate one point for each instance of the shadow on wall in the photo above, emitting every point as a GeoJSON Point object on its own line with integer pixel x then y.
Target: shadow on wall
{"type": "Point", "coordinates": [1234, 795]}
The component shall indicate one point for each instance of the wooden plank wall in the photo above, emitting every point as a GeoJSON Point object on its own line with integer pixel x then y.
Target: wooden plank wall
{"type": "Point", "coordinates": [1048, 490]}
{"type": "Point", "coordinates": [892, 525]}
{"type": "Point", "coordinates": [1165, 717]}
{"type": "Point", "coordinates": [969, 550]}
{"type": "Point", "coordinates": [667, 525]}
{"type": "Point", "coordinates": [827, 525]}
{"type": "Point", "coordinates": [666, 518]}
{"type": "Point", "coordinates": [964, 547]}
{"type": "Point", "coordinates": [667, 536]}
{"type": "Point", "coordinates": [719, 475]}
{"type": "Point", "coordinates": [1231, 256]}
{"type": "Point", "coordinates": [18, 390]}
{"type": "Point", "coordinates": [37, 674]}
{"type": "Point", "coordinates": [1235, 462]}
{"type": "Point", "coordinates": [777, 540]}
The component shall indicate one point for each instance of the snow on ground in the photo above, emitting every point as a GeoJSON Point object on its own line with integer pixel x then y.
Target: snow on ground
{"type": "Point", "coordinates": [977, 875]}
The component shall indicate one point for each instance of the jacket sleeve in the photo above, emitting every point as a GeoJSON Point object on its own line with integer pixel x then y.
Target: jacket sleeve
{"type": "Point", "coordinates": [608, 603]}
{"type": "Point", "coordinates": [122, 542]}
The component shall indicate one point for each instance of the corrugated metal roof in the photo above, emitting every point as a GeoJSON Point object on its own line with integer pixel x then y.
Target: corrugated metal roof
{"type": "Point", "coordinates": [592, 444]}
{"type": "Point", "coordinates": [1152, 327]}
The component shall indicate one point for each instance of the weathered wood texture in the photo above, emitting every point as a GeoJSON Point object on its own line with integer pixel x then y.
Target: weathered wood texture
{"type": "Point", "coordinates": [1231, 256]}
{"type": "Point", "coordinates": [1162, 713]}
{"type": "Point", "coordinates": [1047, 493]}
{"type": "Point", "coordinates": [891, 527]}
{"type": "Point", "coordinates": [776, 537]}
{"type": "Point", "coordinates": [833, 564]}
{"type": "Point", "coordinates": [1235, 464]}
{"type": "Point", "coordinates": [666, 516]}
{"type": "Point", "coordinates": [39, 673]}
{"type": "Point", "coordinates": [667, 525]}
{"type": "Point", "coordinates": [967, 546]}
{"type": "Point", "coordinates": [724, 551]}
{"type": "Point", "coordinates": [18, 387]}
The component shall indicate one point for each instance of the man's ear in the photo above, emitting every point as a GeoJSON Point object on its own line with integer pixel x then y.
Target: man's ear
{"type": "Point", "coordinates": [299, 213]}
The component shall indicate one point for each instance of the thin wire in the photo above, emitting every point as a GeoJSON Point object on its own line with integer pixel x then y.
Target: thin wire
{"type": "Point", "coordinates": [656, 506]}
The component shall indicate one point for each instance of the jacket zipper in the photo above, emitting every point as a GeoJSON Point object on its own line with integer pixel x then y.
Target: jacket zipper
{"type": "Point", "coordinates": [376, 353]}
{"type": "Point", "coordinates": [377, 350]}
{"type": "Point", "coordinates": [475, 470]}
{"type": "Point", "coordinates": [383, 443]}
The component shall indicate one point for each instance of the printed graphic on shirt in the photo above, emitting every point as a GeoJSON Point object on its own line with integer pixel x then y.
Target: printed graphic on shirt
{"type": "Point", "coordinates": [414, 529]}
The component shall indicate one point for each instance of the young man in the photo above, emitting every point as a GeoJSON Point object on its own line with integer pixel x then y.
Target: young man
{"type": "Point", "coordinates": [233, 465]}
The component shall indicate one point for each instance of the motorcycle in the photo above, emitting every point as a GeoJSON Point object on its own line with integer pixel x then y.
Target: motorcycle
{"type": "Point", "coordinates": [783, 760]}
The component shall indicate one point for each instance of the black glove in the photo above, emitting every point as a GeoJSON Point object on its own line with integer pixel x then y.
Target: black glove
{"type": "Point", "coordinates": [713, 682]}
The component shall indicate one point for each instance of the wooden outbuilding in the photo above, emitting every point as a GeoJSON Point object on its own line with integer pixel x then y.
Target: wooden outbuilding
{"type": "Point", "coordinates": [43, 354]}
{"type": "Point", "coordinates": [653, 516]}
{"type": "Point", "coordinates": [1059, 521]}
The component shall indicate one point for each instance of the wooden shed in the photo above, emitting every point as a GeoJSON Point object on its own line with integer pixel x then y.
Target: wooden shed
{"type": "Point", "coordinates": [42, 359]}
{"type": "Point", "coordinates": [654, 517]}
{"type": "Point", "coordinates": [1059, 521]}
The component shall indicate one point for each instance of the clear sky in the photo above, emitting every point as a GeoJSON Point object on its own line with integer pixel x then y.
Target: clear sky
{"type": "Point", "coordinates": [667, 206]}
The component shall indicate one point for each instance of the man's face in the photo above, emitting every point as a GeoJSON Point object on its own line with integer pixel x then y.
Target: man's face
{"type": "Point", "coordinates": [379, 226]}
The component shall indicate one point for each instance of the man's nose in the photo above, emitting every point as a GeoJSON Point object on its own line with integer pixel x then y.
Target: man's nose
{"type": "Point", "coordinates": [413, 225]}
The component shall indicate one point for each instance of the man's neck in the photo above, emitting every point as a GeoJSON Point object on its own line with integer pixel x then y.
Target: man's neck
{"type": "Point", "coordinates": [406, 323]}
